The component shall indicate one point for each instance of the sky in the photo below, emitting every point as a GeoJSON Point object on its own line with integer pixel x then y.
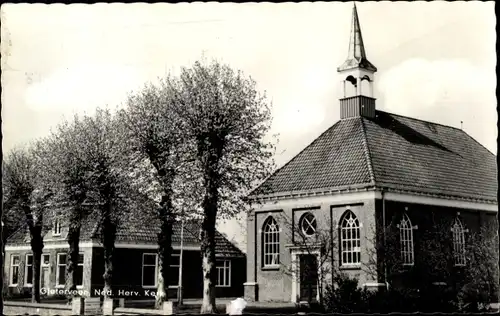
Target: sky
{"type": "Point", "coordinates": [436, 61]}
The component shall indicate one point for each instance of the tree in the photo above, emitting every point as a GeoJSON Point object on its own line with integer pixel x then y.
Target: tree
{"type": "Point", "coordinates": [101, 186]}
{"type": "Point", "coordinates": [69, 173]}
{"type": "Point", "coordinates": [227, 120]}
{"type": "Point", "coordinates": [157, 141]}
{"type": "Point", "coordinates": [26, 195]}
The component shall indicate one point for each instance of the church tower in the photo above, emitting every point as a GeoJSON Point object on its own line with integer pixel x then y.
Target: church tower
{"type": "Point", "coordinates": [357, 77]}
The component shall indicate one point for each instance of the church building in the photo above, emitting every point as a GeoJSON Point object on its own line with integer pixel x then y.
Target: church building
{"type": "Point", "coordinates": [387, 199]}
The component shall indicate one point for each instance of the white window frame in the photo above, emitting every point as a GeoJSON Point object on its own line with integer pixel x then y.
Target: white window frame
{"type": "Point", "coordinates": [226, 273]}
{"type": "Point", "coordinates": [271, 243]}
{"type": "Point", "coordinates": [313, 224]}
{"type": "Point", "coordinates": [149, 265]}
{"type": "Point", "coordinates": [57, 228]}
{"type": "Point", "coordinates": [26, 270]}
{"type": "Point", "coordinates": [459, 252]}
{"type": "Point", "coordinates": [351, 244]}
{"type": "Point", "coordinates": [406, 241]}
{"type": "Point", "coordinates": [58, 264]}
{"type": "Point", "coordinates": [12, 265]}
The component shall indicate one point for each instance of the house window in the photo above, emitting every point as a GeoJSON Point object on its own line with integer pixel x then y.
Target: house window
{"type": "Point", "coordinates": [406, 240]}
{"type": "Point", "coordinates": [175, 265]}
{"type": "Point", "coordinates": [61, 269]}
{"type": "Point", "coordinates": [308, 224]}
{"type": "Point", "coordinates": [271, 243]}
{"type": "Point", "coordinates": [350, 239]}
{"type": "Point", "coordinates": [14, 269]}
{"type": "Point", "coordinates": [57, 228]}
{"type": "Point", "coordinates": [28, 270]}
{"type": "Point", "coordinates": [149, 269]}
{"type": "Point", "coordinates": [458, 243]}
{"type": "Point", "coordinates": [223, 268]}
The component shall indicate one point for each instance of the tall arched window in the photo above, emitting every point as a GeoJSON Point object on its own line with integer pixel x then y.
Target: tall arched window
{"type": "Point", "coordinates": [271, 243]}
{"type": "Point", "coordinates": [458, 242]}
{"type": "Point", "coordinates": [406, 239]}
{"type": "Point", "coordinates": [350, 239]}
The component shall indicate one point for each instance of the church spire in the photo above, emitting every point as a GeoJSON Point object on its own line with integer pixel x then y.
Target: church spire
{"type": "Point", "coordinates": [356, 57]}
{"type": "Point", "coordinates": [357, 77]}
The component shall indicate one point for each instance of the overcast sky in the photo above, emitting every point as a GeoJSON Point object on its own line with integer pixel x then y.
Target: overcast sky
{"type": "Point", "coordinates": [436, 60]}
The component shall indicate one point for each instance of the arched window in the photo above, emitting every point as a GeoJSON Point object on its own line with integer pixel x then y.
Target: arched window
{"type": "Point", "coordinates": [350, 239]}
{"type": "Point", "coordinates": [271, 242]}
{"type": "Point", "coordinates": [308, 224]}
{"type": "Point", "coordinates": [458, 242]}
{"type": "Point", "coordinates": [406, 239]}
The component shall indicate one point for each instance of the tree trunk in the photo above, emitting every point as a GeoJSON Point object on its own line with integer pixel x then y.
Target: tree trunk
{"type": "Point", "coordinates": [37, 248]}
{"type": "Point", "coordinates": [73, 254]}
{"type": "Point", "coordinates": [208, 258]}
{"type": "Point", "coordinates": [164, 249]}
{"type": "Point", "coordinates": [210, 201]}
{"type": "Point", "coordinates": [108, 241]}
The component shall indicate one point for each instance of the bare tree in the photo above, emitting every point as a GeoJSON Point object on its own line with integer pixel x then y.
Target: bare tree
{"type": "Point", "coordinates": [227, 120]}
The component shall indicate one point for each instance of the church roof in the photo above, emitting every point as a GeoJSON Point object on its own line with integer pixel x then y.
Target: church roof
{"type": "Point", "coordinates": [356, 57]}
{"type": "Point", "coordinates": [390, 152]}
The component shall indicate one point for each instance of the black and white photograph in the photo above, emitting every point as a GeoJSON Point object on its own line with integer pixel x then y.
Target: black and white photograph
{"type": "Point", "coordinates": [249, 158]}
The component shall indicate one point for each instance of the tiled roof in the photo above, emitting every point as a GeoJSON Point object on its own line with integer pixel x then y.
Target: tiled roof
{"type": "Point", "coordinates": [138, 232]}
{"type": "Point", "coordinates": [392, 152]}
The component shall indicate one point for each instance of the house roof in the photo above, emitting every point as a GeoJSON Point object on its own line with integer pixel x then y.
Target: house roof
{"type": "Point", "coordinates": [136, 231]}
{"type": "Point", "coordinates": [392, 152]}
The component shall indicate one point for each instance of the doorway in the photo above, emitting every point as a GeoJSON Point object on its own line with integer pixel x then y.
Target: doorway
{"type": "Point", "coordinates": [308, 288]}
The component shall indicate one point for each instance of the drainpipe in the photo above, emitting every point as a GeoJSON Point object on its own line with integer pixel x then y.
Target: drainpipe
{"type": "Point", "coordinates": [385, 232]}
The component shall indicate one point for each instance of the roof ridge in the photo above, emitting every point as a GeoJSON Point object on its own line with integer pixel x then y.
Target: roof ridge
{"type": "Point", "coordinates": [367, 152]}
{"type": "Point", "coordinates": [294, 157]}
{"type": "Point", "coordinates": [421, 120]}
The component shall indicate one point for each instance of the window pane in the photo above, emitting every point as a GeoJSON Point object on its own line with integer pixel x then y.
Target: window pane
{"type": "Point", "coordinates": [15, 260]}
{"type": "Point", "coordinates": [62, 275]}
{"type": "Point", "coordinates": [15, 273]}
{"type": "Point", "coordinates": [45, 259]}
{"type": "Point", "coordinates": [149, 259]}
{"type": "Point", "coordinates": [29, 276]}
{"type": "Point", "coordinates": [62, 259]}
{"type": "Point", "coordinates": [175, 260]}
{"type": "Point", "coordinates": [79, 275]}
{"type": "Point", "coordinates": [173, 276]}
{"type": "Point", "coordinates": [29, 260]}
{"type": "Point", "coordinates": [149, 276]}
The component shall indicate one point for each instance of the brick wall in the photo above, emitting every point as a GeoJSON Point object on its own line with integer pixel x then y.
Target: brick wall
{"type": "Point", "coordinates": [276, 284]}
{"type": "Point", "coordinates": [429, 219]}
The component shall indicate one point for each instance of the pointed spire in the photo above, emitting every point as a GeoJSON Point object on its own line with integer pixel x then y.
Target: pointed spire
{"type": "Point", "coordinates": [356, 46]}
{"type": "Point", "coordinates": [356, 56]}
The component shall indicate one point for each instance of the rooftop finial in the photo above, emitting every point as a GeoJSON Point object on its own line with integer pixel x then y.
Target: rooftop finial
{"type": "Point", "coordinates": [356, 56]}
